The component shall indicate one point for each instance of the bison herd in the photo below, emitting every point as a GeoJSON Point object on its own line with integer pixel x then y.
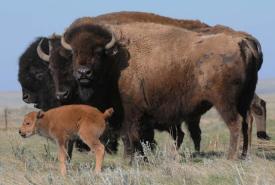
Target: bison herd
{"type": "Point", "coordinates": [155, 71]}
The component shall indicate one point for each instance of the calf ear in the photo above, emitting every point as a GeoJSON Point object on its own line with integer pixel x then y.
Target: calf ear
{"type": "Point", "coordinates": [108, 113]}
{"type": "Point", "coordinates": [40, 115]}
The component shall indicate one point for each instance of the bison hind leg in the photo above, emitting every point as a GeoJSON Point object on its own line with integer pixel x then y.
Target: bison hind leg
{"type": "Point", "coordinates": [233, 121]}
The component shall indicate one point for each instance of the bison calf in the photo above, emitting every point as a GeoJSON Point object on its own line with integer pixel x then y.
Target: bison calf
{"type": "Point", "coordinates": [66, 123]}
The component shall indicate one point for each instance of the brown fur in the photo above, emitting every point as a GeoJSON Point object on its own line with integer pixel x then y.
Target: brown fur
{"type": "Point", "coordinates": [66, 123]}
{"type": "Point", "coordinates": [194, 25]}
{"type": "Point", "coordinates": [125, 17]}
{"type": "Point", "coordinates": [173, 74]}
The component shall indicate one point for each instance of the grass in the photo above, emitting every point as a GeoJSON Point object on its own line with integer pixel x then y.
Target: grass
{"type": "Point", "coordinates": [33, 160]}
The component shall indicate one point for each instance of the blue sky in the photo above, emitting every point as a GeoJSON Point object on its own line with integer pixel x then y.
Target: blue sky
{"type": "Point", "coordinates": [22, 21]}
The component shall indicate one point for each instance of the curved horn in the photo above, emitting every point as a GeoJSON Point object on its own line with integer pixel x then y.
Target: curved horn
{"type": "Point", "coordinates": [40, 52]}
{"type": "Point", "coordinates": [111, 43]}
{"type": "Point", "coordinates": [65, 44]}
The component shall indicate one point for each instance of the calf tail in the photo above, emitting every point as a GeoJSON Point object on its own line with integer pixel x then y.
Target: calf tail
{"type": "Point", "coordinates": [108, 113]}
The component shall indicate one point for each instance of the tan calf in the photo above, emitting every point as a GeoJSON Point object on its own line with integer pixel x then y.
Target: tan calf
{"type": "Point", "coordinates": [65, 123]}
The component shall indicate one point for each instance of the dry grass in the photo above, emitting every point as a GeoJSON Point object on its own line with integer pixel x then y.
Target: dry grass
{"type": "Point", "coordinates": [33, 160]}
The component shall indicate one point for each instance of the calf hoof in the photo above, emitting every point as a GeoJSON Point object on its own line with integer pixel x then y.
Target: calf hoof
{"type": "Point", "coordinates": [263, 135]}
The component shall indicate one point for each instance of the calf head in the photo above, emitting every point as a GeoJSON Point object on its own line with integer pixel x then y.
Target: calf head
{"type": "Point", "coordinates": [28, 127]}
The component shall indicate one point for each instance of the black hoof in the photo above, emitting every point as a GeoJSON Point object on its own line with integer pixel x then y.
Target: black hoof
{"type": "Point", "coordinates": [263, 135]}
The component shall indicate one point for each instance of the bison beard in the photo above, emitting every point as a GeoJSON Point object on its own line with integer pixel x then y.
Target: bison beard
{"type": "Point", "coordinates": [85, 93]}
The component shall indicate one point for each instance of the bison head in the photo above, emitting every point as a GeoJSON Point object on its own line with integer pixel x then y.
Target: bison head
{"type": "Point", "coordinates": [61, 68]}
{"type": "Point", "coordinates": [34, 76]}
{"type": "Point", "coordinates": [93, 47]}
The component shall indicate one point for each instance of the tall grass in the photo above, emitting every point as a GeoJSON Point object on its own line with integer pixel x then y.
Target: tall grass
{"type": "Point", "coordinates": [33, 161]}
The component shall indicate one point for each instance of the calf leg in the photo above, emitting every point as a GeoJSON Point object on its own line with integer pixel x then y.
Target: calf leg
{"type": "Point", "coordinates": [89, 137]}
{"type": "Point", "coordinates": [62, 156]}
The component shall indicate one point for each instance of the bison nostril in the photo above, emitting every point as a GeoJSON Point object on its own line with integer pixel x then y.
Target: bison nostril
{"type": "Point", "coordinates": [84, 72]}
{"type": "Point", "coordinates": [19, 131]}
{"type": "Point", "coordinates": [88, 73]}
{"type": "Point", "coordinates": [62, 95]}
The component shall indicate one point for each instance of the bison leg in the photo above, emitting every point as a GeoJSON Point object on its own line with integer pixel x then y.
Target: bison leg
{"type": "Point", "coordinates": [147, 135]}
{"type": "Point", "coordinates": [110, 140]}
{"type": "Point", "coordinates": [233, 121]}
{"type": "Point", "coordinates": [259, 112]}
{"type": "Point", "coordinates": [127, 146]}
{"type": "Point", "coordinates": [177, 134]}
{"type": "Point", "coordinates": [195, 131]}
{"type": "Point", "coordinates": [70, 150]}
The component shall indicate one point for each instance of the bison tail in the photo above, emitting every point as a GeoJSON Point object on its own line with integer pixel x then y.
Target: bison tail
{"type": "Point", "coordinates": [251, 77]}
{"type": "Point", "coordinates": [256, 48]}
{"type": "Point", "coordinates": [248, 90]}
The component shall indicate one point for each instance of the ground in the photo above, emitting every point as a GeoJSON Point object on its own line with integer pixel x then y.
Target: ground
{"type": "Point", "coordinates": [33, 160]}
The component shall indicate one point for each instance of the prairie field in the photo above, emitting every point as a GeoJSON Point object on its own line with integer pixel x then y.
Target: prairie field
{"type": "Point", "coordinates": [34, 161]}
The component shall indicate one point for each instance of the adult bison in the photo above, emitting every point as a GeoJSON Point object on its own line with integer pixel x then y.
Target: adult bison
{"type": "Point", "coordinates": [126, 17]}
{"type": "Point", "coordinates": [167, 73]}
{"type": "Point", "coordinates": [34, 76]}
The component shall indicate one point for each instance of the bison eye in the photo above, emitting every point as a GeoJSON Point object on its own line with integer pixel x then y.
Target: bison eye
{"type": "Point", "coordinates": [39, 76]}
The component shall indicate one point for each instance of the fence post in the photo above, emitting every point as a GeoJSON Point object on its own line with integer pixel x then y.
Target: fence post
{"type": "Point", "coordinates": [6, 118]}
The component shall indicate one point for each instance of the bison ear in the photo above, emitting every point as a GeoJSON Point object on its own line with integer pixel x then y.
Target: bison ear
{"type": "Point", "coordinates": [112, 51]}
{"type": "Point", "coordinates": [40, 115]}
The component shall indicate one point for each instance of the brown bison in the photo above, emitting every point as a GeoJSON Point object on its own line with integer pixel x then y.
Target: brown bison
{"type": "Point", "coordinates": [166, 73]}
{"type": "Point", "coordinates": [59, 64]}
{"type": "Point", "coordinates": [197, 26]}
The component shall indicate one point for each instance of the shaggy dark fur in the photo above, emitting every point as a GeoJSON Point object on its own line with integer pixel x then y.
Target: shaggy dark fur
{"type": "Point", "coordinates": [35, 79]}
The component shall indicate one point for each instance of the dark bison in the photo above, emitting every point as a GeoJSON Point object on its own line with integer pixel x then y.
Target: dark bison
{"type": "Point", "coordinates": [34, 76]}
{"type": "Point", "coordinates": [166, 73]}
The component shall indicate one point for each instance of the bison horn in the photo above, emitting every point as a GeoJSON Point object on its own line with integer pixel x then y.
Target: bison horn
{"type": "Point", "coordinates": [65, 44]}
{"type": "Point", "coordinates": [40, 52]}
{"type": "Point", "coordinates": [111, 43]}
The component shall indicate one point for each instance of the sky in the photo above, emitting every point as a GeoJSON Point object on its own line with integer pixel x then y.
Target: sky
{"type": "Point", "coordinates": [23, 21]}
